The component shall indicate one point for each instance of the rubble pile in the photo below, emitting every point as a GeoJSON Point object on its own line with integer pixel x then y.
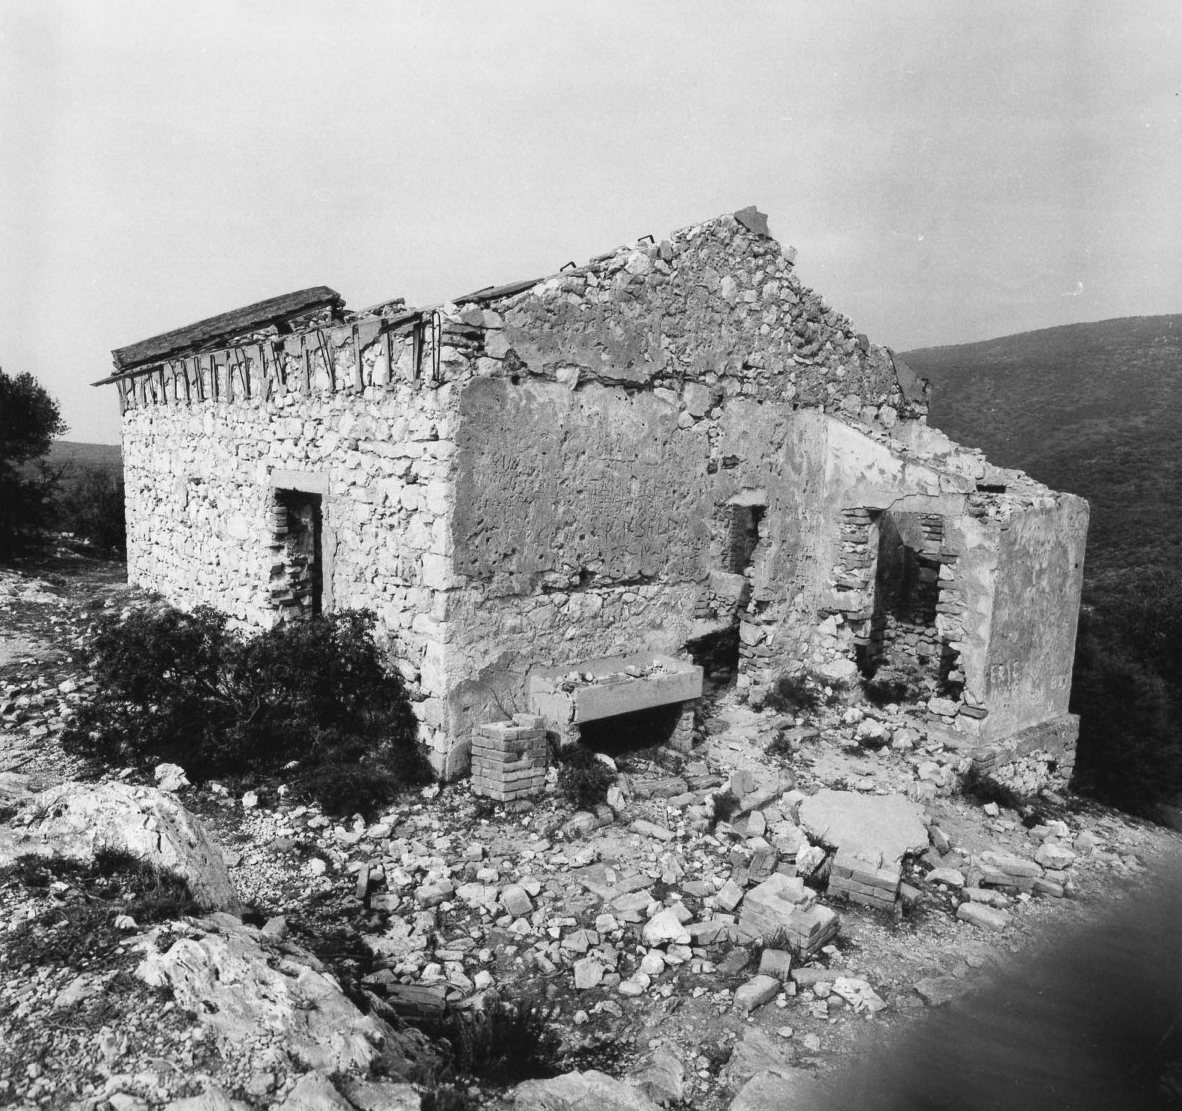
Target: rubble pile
{"type": "Point", "coordinates": [713, 934]}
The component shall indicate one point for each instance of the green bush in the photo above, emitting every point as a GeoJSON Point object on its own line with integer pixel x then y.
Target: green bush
{"type": "Point", "coordinates": [802, 692]}
{"type": "Point", "coordinates": [29, 421]}
{"type": "Point", "coordinates": [81, 927]}
{"type": "Point", "coordinates": [896, 685]}
{"type": "Point", "coordinates": [583, 779]}
{"type": "Point", "coordinates": [311, 698]}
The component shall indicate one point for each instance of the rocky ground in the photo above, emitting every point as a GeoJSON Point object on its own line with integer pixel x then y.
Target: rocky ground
{"type": "Point", "coordinates": [627, 933]}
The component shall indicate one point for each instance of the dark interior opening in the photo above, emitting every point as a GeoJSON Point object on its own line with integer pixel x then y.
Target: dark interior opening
{"type": "Point", "coordinates": [741, 537]}
{"type": "Point", "coordinates": [297, 574]}
{"type": "Point", "coordinates": [717, 654]}
{"type": "Point", "coordinates": [624, 733]}
{"type": "Point", "coordinates": [903, 637]}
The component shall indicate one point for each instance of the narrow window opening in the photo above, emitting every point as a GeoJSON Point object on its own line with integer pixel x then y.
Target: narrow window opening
{"type": "Point", "coordinates": [719, 651]}
{"type": "Point", "coordinates": [741, 536]}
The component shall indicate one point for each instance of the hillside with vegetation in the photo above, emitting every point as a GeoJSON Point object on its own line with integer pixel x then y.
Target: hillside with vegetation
{"type": "Point", "coordinates": [1091, 408]}
{"type": "Point", "coordinates": [105, 457]}
{"type": "Point", "coordinates": [1096, 409]}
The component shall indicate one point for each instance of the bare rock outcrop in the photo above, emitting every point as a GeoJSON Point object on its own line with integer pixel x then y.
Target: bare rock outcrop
{"type": "Point", "coordinates": [77, 820]}
{"type": "Point", "coordinates": [580, 1091]}
{"type": "Point", "coordinates": [251, 991]}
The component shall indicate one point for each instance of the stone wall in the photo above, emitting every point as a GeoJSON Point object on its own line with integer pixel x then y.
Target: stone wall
{"type": "Point", "coordinates": [201, 493]}
{"type": "Point", "coordinates": [562, 470]}
{"type": "Point", "coordinates": [1035, 611]}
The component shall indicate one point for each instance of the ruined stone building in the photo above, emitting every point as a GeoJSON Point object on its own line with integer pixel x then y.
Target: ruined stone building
{"type": "Point", "coordinates": [675, 450]}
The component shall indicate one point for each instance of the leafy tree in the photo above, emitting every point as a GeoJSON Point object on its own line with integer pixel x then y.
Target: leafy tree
{"type": "Point", "coordinates": [29, 421]}
{"type": "Point", "coordinates": [1130, 744]}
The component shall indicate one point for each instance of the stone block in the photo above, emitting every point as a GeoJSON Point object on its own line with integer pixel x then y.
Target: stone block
{"type": "Point", "coordinates": [756, 992]}
{"type": "Point", "coordinates": [977, 914]}
{"type": "Point", "coordinates": [777, 963]}
{"type": "Point", "coordinates": [783, 904]}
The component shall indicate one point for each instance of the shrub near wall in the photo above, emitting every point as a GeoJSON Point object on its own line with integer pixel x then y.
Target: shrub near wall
{"type": "Point", "coordinates": [310, 699]}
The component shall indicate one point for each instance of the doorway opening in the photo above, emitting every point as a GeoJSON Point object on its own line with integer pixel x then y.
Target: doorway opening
{"type": "Point", "coordinates": [904, 639]}
{"type": "Point", "coordinates": [297, 573]}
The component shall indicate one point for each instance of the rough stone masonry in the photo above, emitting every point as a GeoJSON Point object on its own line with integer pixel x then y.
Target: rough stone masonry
{"type": "Point", "coordinates": [675, 450]}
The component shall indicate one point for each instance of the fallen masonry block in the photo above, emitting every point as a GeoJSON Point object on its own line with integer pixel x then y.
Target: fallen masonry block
{"type": "Point", "coordinates": [777, 963]}
{"type": "Point", "coordinates": [756, 992]}
{"type": "Point", "coordinates": [995, 877]}
{"type": "Point", "coordinates": [729, 896]}
{"type": "Point", "coordinates": [985, 896]}
{"type": "Point", "coordinates": [651, 829]}
{"type": "Point", "coordinates": [1054, 856]}
{"type": "Point", "coordinates": [417, 1001]}
{"type": "Point", "coordinates": [759, 797]}
{"type": "Point", "coordinates": [953, 877]}
{"type": "Point", "coordinates": [977, 914]}
{"type": "Point", "coordinates": [936, 991]}
{"type": "Point", "coordinates": [763, 864]}
{"type": "Point", "coordinates": [516, 901]}
{"type": "Point", "coordinates": [708, 933]}
{"type": "Point", "coordinates": [589, 973]}
{"type": "Point", "coordinates": [783, 903]}
{"type": "Point", "coordinates": [808, 977]}
{"type": "Point", "coordinates": [664, 927]}
{"type": "Point", "coordinates": [862, 880]}
{"type": "Point", "coordinates": [858, 994]}
{"type": "Point", "coordinates": [1011, 864]}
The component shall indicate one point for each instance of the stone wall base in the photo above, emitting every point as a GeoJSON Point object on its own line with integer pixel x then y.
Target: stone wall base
{"type": "Point", "coordinates": [1055, 738]}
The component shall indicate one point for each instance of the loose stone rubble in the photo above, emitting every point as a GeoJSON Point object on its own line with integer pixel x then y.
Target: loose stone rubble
{"type": "Point", "coordinates": [633, 925]}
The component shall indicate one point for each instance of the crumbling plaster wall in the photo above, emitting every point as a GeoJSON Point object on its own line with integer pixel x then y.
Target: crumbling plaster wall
{"type": "Point", "coordinates": [1039, 577]}
{"type": "Point", "coordinates": [613, 409]}
{"type": "Point", "coordinates": [200, 481]}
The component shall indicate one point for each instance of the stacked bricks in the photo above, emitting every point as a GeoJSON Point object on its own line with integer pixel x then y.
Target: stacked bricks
{"type": "Point", "coordinates": [783, 905]}
{"type": "Point", "coordinates": [509, 758]}
{"type": "Point", "coordinates": [853, 576]}
{"type": "Point", "coordinates": [864, 881]}
{"type": "Point", "coordinates": [682, 737]}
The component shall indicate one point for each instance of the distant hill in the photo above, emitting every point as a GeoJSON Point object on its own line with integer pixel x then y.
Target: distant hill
{"type": "Point", "coordinates": [1095, 409]}
{"type": "Point", "coordinates": [107, 456]}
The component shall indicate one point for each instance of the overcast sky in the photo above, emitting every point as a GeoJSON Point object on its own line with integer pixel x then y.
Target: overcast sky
{"type": "Point", "coordinates": [948, 171]}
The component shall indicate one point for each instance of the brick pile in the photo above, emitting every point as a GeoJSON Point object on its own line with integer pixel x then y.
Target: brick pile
{"type": "Point", "coordinates": [783, 906]}
{"type": "Point", "coordinates": [509, 758]}
{"type": "Point", "coordinates": [863, 880]}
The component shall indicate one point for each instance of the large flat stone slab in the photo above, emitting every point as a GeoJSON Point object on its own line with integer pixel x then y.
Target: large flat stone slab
{"type": "Point", "coordinates": [784, 1088]}
{"type": "Point", "coordinates": [597, 689]}
{"type": "Point", "coordinates": [579, 1091]}
{"type": "Point", "coordinates": [867, 826]}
